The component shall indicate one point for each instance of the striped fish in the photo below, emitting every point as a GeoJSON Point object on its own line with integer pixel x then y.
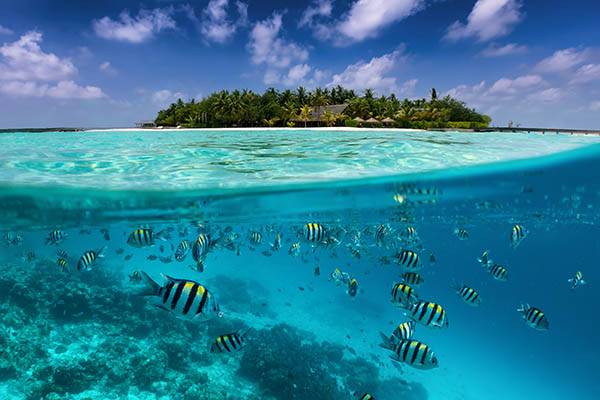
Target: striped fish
{"type": "Point", "coordinates": [461, 234]}
{"type": "Point", "coordinates": [484, 259]}
{"type": "Point", "coordinates": [144, 237]}
{"type": "Point", "coordinates": [403, 331]}
{"type": "Point", "coordinates": [56, 237]}
{"type": "Point", "coordinates": [352, 288]}
{"type": "Point", "coordinates": [517, 235]}
{"type": "Point", "coordinates": [276, 245]}
{"type": "Point", "coordinates": [62, 263]}
{"type": "Point", "coordinates": [577, 280]}
{"type": "Point", "coordinates": [412, 278]}
{"type": "Point", "coordinates": [399, 198]}
{"type": "Point", "coordinates": [534, 317]}
{"type": "Point", "coordinates": [89, 258]}
{"type": "Point", "coordinates": [61, 253]}
{"type": "Point", "coordinates": [403, 295]}
{"type": "Point", "coordinates": [409, 236]}
{"type": "Point", "coordinates": [365, 396]}
{"type": "Point", "coordinates": [294, 249]}
{"type": "Point", "coordinates": [314, 233]}
{"type": "Point", "coordinates": [185, 298]}
{"type": "Point", "coordinates": [498, 272]}
{"type": "Point", "coordinates": [229, 343]}
{"type": "Point", "coordinates": [470, 296]}
{"type": "Point", "coordinates": [256, 238]}
{"type": "Point", "coordinates": [355, 252]}
{"type": "Point", "coordinates": [409, 260]}
{"type": "Point", "coordinates": [411, 352]}
{"type": "Point", "coordinates": [182, 250]}
{"type": "Point", "coordinates": [381, 233]}
{"type": "Point", "coordinates": [429, 314]}
{"type": "Point", "coordinates": [200, 249]}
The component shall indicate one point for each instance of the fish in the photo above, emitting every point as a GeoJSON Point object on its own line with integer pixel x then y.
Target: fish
{"type": "Point", "coordinates": [162, 248]}
{"type": "Point", "coordinates": [355, 252]}
{"type": "Point", "coordinates": [89, 259]}
{"type": "Point", "coordinates": [62, 263]}
{"type": "Point", "coordinates": [399, 198]}
{"type": "Point", "coordinates": [11, 239]}
{"type": "Point", "coordinates": [317, 271]}
{"type": "Point", "coordinates": [470, 296]}
{"type": "Point", "coordinates": [412, 278]}
{"type": "Point", "coordinates": [403, 331]}
{"type": "Point", "coordinates": [577, 280]}
{"type": "Point", "coordinates": [120, 250]}
{"type": "Point", "coordinates": [229, 343]}
{"type": "Point", "coordinates": [409, 236]}
{"type": "Point", "coordinates": [497, 271]}
{"type": "Point", "coordinates": [411, 352]}
{"type": "Point", "coordinates": [200, 248]}
{"type": "Point", "coordinates": [484, 259]}
{"type": "Point", "coordinates": [461, 233]}
{"type": "Point", "coordinates": [28, 257]}
{"type": "Point", "coordinates": [517, 234]}
{"type": "Point", "coordinates": [135, 277]}
{"type": "Point", "coordinates": [352, 288]}
{"type": "Point", "coordinates": [106, 236]}
{"type": "Point", "coordinates": [317, 234]}
{"type": "Point", "coordinates": [364, 396]}
{"type": "Point", "coordinates": [432, 259]}
{"type": "Point", "coordinates": [403, 295]}
{"type": "Point", "coordinates": [56, 237]}
{"type": "Point", "coordinates": [381, 233]}
{"type": "Point", "coordinates": [534, 317]}
{"type": "Point", "coordinates": [294, 249]}
{"type": "Point", "coordinates": [61, 253]}
{"type": "Point", "coordinates": [276, 245]}
{"type": "Point", "coordinates": [255, 238]}
{"type": "Point", "coordinates": [165, 260]}
{"type": "Point", "coordinates": [144, 237]}
{"type": "Point", "coordinates": [338, 277]}
{"type": "Point", "coordinates": [428, 314]}
{"type": "Point", "coordinates": [152, 257]}
{"type": "Point", "coordinates": [127, 257]}
{"type": "Point", "coordinates": [409, 260]}
{"type": "Point", "coordinates": [185, 298]}
{"type": "Point", "coordinates": [182, 251]}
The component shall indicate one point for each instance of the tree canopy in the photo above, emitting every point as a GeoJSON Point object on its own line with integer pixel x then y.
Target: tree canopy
{"type": "Point", "coordinates": [245, 108]}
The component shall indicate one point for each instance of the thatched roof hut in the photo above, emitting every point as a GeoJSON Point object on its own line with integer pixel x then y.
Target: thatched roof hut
{"type": "Point", "coordinates": [359, 120]}
{"type": "Point", "coordinates": [317, 111]}
{"type": "Point", "coordinates": [372, 121]}
{"type": "Point", "coordinates": [388, 120]}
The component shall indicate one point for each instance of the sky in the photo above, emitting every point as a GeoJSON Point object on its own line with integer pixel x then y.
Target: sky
{"type": "Point", "coordinates": [111, 63]}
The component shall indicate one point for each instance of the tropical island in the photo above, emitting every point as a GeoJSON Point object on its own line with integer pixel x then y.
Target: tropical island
{"type": "Point", "coordinates": [321, 107]}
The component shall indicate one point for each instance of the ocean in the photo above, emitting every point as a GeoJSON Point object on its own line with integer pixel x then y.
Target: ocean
{"type": "Point", "coordinates": [260, 211]}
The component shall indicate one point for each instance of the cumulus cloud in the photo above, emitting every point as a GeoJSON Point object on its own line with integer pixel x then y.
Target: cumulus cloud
{"type": "Point", "coordinates": [27, 71]}
{"type": "Point", "coordinates": [587, 73]}
{"type": "Point", "coordinates": [508, 49]}
{"type": "Point", "coordinates": [510, 87]}
{"type": "Point", "coordinates": [466, 92]}
{"type": "Point", "coordinates": [5, 31]}
{"type": "Point", "coordinates": [488, 19]}
{"type": "Point", "coordinates": [135, 29]}
{"type": "Point", "coordinates": [216, 25]}
{"type": "Point", "coordinates": [107, 68]}
{"type": "Point", "coordinates": [268, 48]}
{"type": "Point", "coordinates": [165, 97]}
{"type": "Point", "coordinates": [563, 60]}
{"type": "Point", "coordinates": [372, 74]}
{"type": "Point", "coordinates": [317, 8]}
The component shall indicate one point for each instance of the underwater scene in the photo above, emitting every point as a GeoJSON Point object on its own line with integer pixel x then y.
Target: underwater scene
{"type": "Point", "coordinates": [299, 265]}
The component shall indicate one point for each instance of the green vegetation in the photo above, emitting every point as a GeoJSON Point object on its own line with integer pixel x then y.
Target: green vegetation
{"type": "Point", "coordinates": [241, 108]}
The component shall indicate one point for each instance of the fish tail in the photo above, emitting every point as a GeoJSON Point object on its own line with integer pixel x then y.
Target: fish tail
{"type": "Point", "coordinates": [523, 308]}
{"type": "Point", "coordinates": [100, 251]}
{"type": "Point", "coordinates": [162, 235]}
{"type": "Point", "coordinates": [48, 241]}
{"type": "Point", "coordinates": [152, 288]}
{"type": "Point", "coordinates": [455, 285]}
{"type": "Point", "coordinates": [386, 342]}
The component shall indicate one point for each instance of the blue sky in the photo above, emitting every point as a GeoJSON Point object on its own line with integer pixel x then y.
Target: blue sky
{"type": "Point", "coordinates": [110, 63]}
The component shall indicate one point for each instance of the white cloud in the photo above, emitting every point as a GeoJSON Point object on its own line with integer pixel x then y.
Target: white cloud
{"type": "Point", "coordinates": [266, 47]}
{"type": "Point", "coordinates": [26, 71]}
{"type": "Point", "coordinates": [408, 87]}
{"type": "Point", "coordinates": [318, 8]}
{"type": "Point", "coordinates": [550, 95]}
{"type": "Point", "coordinates": [216, 25]}
{"type": "Point", "coordinates": [563, 60]}
{"type": "Point", "coordinates": [5, 31]}
{"type": "Point", "coordinates": [510, 87]}
{"type": "Point", "coordinates": [298, 73]}
{"type": "Point", "coordinates": [488, 19]}
{"type": "Point", "coordinates": [367, 17]}
{"type": "Point", "coordinates": [107, 68]}
{"type": "Point", "coordinates": [62, 90]}
{"type": "Point", "coordinates": [466, 92]}
{"type": "Point", "coordinates": [587, 73]}
{"type": "Point", "coordinates": [135, 30]}
{"type": "Point", "coordinates": [595, 105]}
{"type": "Point", "coordinates": [166, 97]}
{"type": "Point", "coordinates": [25, 60]}
{"type": "Point", "coordinates": [370, 75]}
{"type": "Point", "coordinates": [511, 48]}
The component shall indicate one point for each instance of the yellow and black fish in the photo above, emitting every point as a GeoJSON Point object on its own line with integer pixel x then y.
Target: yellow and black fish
{"type": "Point", "coordinates": [255, 238]}
{"type": "Point", "coordinates": [317, 271]}
{"type": "Point", "coordinates": [144, 237]}
{"type": "Point", "coordinates": [89, 258]}
{"type": "Point", "coordinates": [200, 248]}
{"type": "Point", "coordinates": [403, 331]}
{"type": "Point", "coordinates": [229, 343]}
{"type": "Point", "coordinates": [461, 234]}
{"type": "Point", "coordinates": [62, 263]}
{"type": "Point", "coordinates": [314, 233]}
{"type": "Point", "coordinates": [428, 314]}
{"type": "Point", "coordinates": [498, 272]}
{"type": "Point", "coordinates": [409, 260]}
{"type": "Point", "coordinates": [470, 296]}
{"type": "Point", "coordinates": [352, 288]}
{"type": "Point", "coordinates": [56, 237]}
{"type": "Point", "coordinates": [185, 298]}
{"type": "Point", "coordinates": [517, 234]}
{"type": "Point", "coordinates": [411, 352]}
{"type": "Point", "coordinates": [381, 233]}
{"type": "Point", "coordinates": [294, 249]}
{"type": "Point", "coordinates": [534, 317]}
{"type": "Point", "coordinates": [403, 295]}
{"type": "Point", "coordinates": [409, 236]}
{"type": "Point", "coordinates": [412, 278]}
{"type": "Point", "coordinates": [365, 396]}
{"type": "Point", "coordinates": [355, 252]}
{"type": "Point", "coordinates": [276, 245]}
{"type": "Point", "coordinates": [182, 251]}
{"type": "Point", "coordinates": [577, 280]}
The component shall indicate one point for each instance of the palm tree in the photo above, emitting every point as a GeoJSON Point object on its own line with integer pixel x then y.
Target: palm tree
{"type": "Point", "coordinates": [329, 118]}
{"type": "Point", "coordinates": [305, 112]}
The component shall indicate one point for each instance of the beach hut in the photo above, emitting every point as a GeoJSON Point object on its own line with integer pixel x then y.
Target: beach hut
{"type": "Point", "coordinates": [145, 124]}
{"type": "Point", "coordinates": [372, 121]}
{"type": "Point", "coordinates": [359, 120]}
{"type": "Point", "coordinates": [388, 121]}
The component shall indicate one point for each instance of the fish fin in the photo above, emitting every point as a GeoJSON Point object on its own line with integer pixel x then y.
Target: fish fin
{"type": "Point", "coordinates": [387, 343]}
{"type": "Point", "coordinates": [582, 282]}
{"type": "Point", "coordinates": [167, 278]}
{"type": "Point", "coordinates": [571, 280]}
{"type": "Point", "coordinates": [162, 235]}
{"type": "Point", "coordinates": [152, 288]}
{"type": "Point", "coordinates": [161, 307]}
{"type": "Point", "coordinates": [455, 285]}
{"type": "Point", "coordinates": [48, 240]}
{"type": "Point", "coordinates": [100, 252]}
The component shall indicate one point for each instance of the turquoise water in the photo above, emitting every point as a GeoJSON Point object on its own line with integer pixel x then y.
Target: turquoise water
{"type": "Point", "coordinates": [89, 334]}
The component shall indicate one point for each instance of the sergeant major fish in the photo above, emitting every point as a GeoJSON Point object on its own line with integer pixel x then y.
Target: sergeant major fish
{"type": "Point", "coordinates": [144, 237]}
{"type": "Point", "coordinates": [403, 295]}
{"type": "Point", "coordinates": [461, 234]}
{"type": "Point", "coordinates": [412, 278]}
{"type": "Point", "coordinates": [89, 258]}
{"type": "Point", "coordinates": [534, 317]}
{"type": "Point", "coordinates": [184, 298]}
{"type": "Point", "coordinates": [517, 234]}
{"type": "Point", "coordinates": [470, 296]}
{"type": "Point", "coordinates": [428, 314]}
{"type": "Point", "coordinates": [403, 331]}
{"type": "Point", "coordinates": [294, 249]}
{"type": "Point", "coordinates": [229, 343]}
{"type": "Point", "coordinates": [276, 245]}
{"type": "Point", "coordinates": [577, 280]}
{"type": "Point", "coordinates": [352, 288]}
{"type": "Point", "coordinates": [56, 237]}
{"type": "Point", "coordinates": [409, 260]}
{"type": "Point", "coordinates": [411, 352]}
{"type": "Point", "coordinates": [200, 249]}
{"type": "Point", "coordinates": [182, 251]}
